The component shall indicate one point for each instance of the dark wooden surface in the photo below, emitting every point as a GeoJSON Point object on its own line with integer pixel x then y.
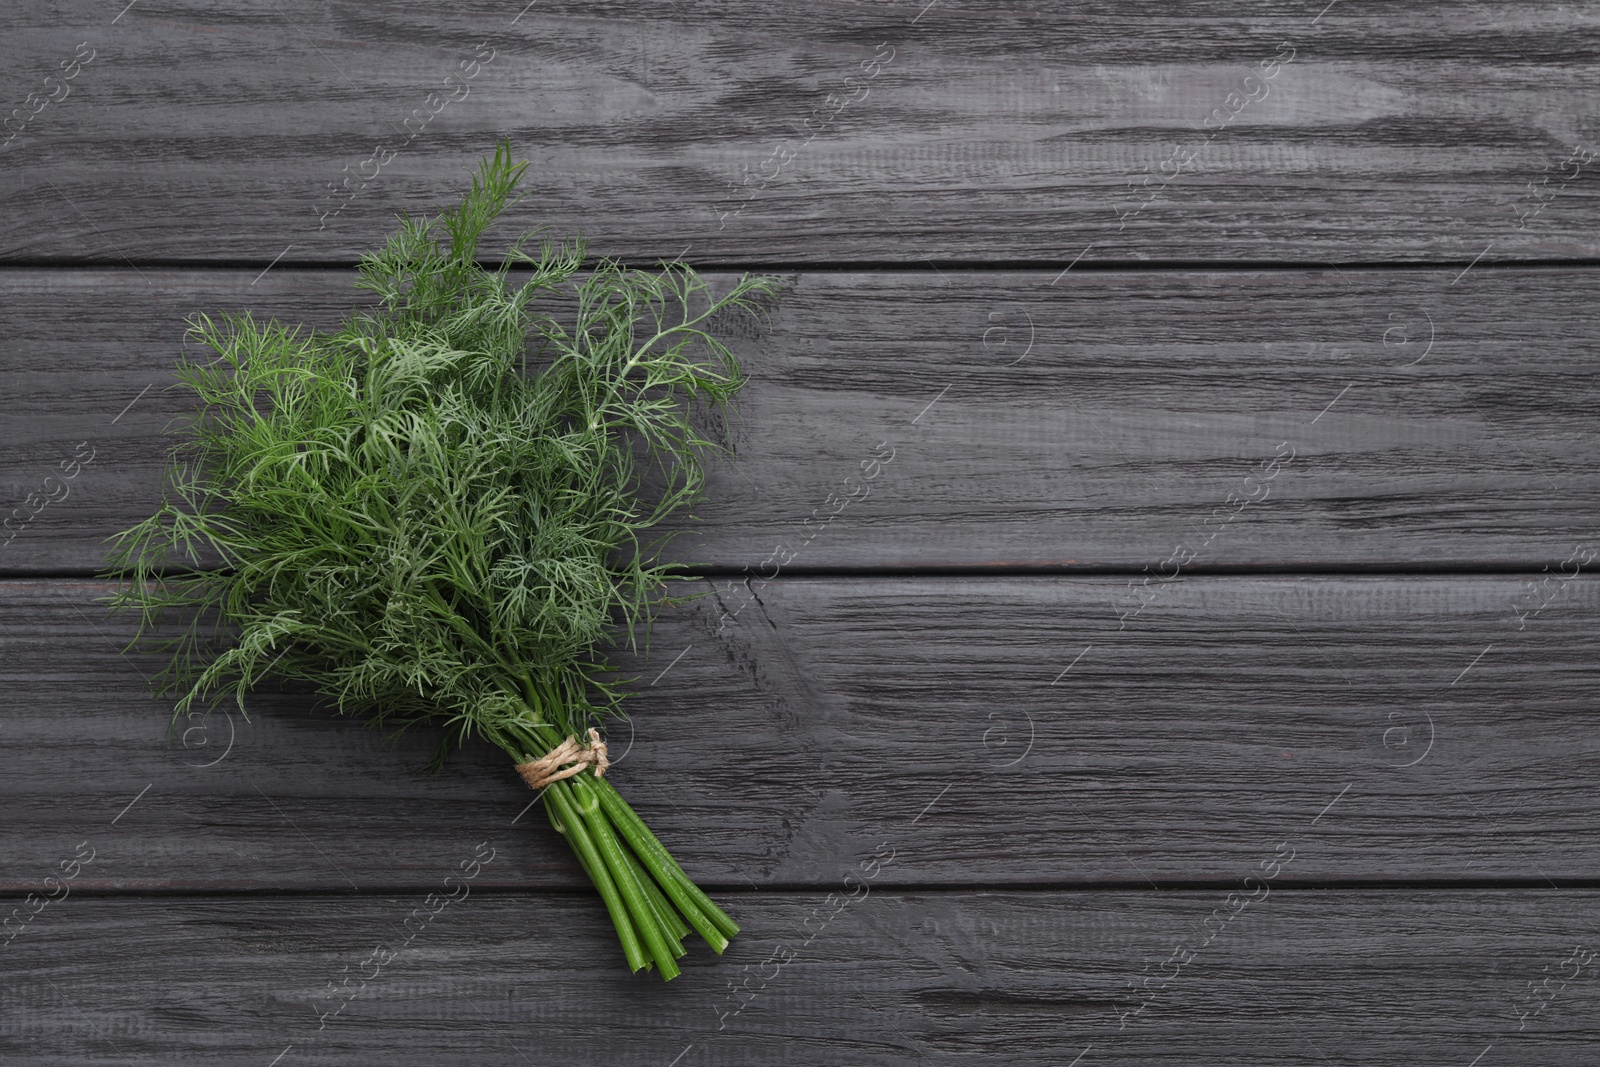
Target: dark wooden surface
{"type": "Point", "coordinates": [1296, 978]}
{"type": "Point", "coordinates": [1341, 370]}
{"type": "Point", "coordinates": [211, 128]}
{"type": "Point", "coordinates": [1097, 422]}
{"type": "Point", "coordinates": [853, 709]}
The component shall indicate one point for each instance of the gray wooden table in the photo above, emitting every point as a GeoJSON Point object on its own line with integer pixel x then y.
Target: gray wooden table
{"type": "Point", "coordinates": [1205, 673]}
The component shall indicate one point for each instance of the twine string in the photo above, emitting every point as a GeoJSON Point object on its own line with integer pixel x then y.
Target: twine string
{"type": "Point", "coordinates": [565, 760]}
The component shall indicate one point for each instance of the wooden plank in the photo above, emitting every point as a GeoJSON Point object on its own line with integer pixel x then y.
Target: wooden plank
{"type": "Point", "coordinates": [1247, 418]}
{"type": "Point", "coordinates": [1295, 978]}
{"type": "Point", "coordinates": [839, 131]}
{"type": "Point", "coordinates": [1002, 731]}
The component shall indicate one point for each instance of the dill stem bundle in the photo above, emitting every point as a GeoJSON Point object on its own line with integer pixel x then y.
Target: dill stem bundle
{"type": "Point", "coordinates": [442, 513]}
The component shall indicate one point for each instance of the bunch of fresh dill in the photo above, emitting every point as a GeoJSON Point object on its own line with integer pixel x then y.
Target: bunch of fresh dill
{"type": "Point", "coordinates": [437, 514]}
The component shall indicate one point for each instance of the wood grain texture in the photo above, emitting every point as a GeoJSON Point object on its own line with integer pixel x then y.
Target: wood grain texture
{"type": "Point", "coordinates": [962, 819]}
{"type": "Point", "coordinates": [1002, 731]}
{"type": "Point", "coordinates": [1296, 979]}
{"type": "Point", "coordinates": [214, 129]}
{"type": "Point", "coordinates": [1101, 421]}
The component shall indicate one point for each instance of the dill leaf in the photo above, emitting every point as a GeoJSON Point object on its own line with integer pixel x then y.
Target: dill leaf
{"type": "Point", "coordinates": [448, 509]}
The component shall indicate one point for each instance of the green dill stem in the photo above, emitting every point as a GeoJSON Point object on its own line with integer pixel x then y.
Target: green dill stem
{"type": "Point", "coordinates": [672, 924]}
{"type": "Point", "coordinates": [550, 734]}
{"type": "Point", "coordinates": [711, 921]}
{"type": "Point", "coordinates": [659, 928]}
{"type": "Point", "coordinates": [644, 918]}
{"type": "Point", "coordinates": [454, 620]}
{"type": "Point", "coordinates": [680, 890]}
{"type": "Point", "coordinates": [556, 795]}
{"type": "Point", "coordinates": [672, 927]}
{"type": "Point", "coordinates": [647, 844]}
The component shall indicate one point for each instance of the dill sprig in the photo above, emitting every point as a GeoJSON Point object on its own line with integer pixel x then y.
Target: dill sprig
{"type": "Point", "coordinates": [445, 511]}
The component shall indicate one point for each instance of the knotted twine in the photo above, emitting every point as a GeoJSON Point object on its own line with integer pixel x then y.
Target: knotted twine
{"type": "Point", "coordinates": [565, 760]}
